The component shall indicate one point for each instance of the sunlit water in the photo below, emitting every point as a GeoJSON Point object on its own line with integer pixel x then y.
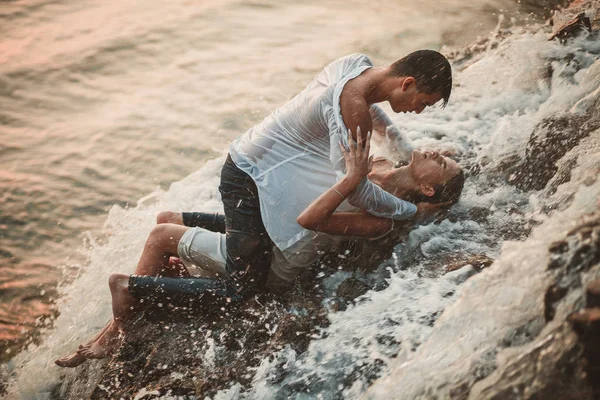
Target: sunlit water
{"type": "Point", "coordinates": [104, 105]}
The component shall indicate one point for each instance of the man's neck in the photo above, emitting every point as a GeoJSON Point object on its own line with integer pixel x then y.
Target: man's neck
{"type": "Point", "coordinates": [373, 84]}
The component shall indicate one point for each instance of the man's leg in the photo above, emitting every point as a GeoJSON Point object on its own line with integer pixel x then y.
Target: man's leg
{"type": "Point", "coordinates": [249, 248]}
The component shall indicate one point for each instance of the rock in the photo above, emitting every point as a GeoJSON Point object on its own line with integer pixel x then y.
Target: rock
{"type": "Point", "coordinates": [477, 261]}
{"type": "Point", "coordinates": [572, 28]}
{"type": "Point", "coordinates": [592, 294]}
{"type": "Point", "coordinates": [550, 141]}
{"type": "Point", "coordinates": [548, 369]}
{"type": "Point", "coordinates": [177, 352]}
{"type": "Point", "coordinates": [352, 288]}
{"type": "Point", "coordinates": [588, 318]}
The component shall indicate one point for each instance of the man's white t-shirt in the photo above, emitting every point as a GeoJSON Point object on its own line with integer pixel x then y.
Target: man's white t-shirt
{"type": "Point", "coordinates": [293, 156]}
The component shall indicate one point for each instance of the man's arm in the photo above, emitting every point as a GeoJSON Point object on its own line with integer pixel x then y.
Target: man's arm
{"type": "Point", "coordinates": [390, 136]}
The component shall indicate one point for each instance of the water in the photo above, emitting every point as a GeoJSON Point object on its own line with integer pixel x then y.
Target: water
{"type": "Point", "coordinates": [103, 106]}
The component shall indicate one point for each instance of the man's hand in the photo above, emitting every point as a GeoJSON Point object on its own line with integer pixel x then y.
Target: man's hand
{"type": "Point", "coordinates": [428, 208]}
{"type": "Point", "coordinates": [400, 146]}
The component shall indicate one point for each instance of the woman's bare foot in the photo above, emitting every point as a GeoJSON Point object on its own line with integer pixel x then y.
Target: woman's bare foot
{"type": "Point", "coordinates": [104, 346]}
{"type": "Point", "coordinates": [70, 361]}
{"type": "Point", "coordinates": [75, 359]}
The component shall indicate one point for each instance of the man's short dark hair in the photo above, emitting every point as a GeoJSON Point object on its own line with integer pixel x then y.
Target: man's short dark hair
{"type": "Point", "coordinates": [431, 70]}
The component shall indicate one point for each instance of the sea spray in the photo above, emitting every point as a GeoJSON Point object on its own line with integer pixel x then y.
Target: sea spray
{"type": "Point", "coordinates": [85, 303]}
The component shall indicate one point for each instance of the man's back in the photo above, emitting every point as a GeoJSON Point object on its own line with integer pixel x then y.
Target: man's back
{"type": "Point", "coordinates": [288, 153]}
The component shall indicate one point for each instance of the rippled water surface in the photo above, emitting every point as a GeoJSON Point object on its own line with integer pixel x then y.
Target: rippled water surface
{"type": "Point", "coordinates": [103, 102]}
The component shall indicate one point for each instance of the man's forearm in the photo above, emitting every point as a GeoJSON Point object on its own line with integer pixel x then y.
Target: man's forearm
{"type": "Point", "coordinates": [380, 120]}
{"type": "Point", "coordinates": [389, 135]}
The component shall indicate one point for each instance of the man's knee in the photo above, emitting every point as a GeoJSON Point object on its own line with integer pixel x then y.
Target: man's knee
{"type": "Point", "coordinates": [169, 217]}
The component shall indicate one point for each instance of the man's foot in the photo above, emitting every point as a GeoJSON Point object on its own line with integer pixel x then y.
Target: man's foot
{"type": "Point", "coordinates": [104, 346]}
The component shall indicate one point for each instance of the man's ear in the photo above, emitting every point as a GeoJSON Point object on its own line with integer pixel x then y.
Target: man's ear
{"type": "Point", "coordinates": [409, 81]}
{"type": "Point", "coordinates": [427, 190]}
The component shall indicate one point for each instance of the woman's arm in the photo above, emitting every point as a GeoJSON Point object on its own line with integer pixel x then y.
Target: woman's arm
{"type": "Point", "coordinates": [320, 214]}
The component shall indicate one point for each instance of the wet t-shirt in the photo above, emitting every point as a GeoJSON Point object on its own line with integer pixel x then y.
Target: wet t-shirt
{"type": "Point", "coordinates": [293, 156]}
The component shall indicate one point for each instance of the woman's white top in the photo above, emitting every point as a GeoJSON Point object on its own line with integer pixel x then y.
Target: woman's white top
{"type": "Point", "coordinates": [293, 156]}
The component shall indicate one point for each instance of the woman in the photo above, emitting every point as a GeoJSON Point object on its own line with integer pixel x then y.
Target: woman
{"type": "Point", "coordinates": [429, 176]}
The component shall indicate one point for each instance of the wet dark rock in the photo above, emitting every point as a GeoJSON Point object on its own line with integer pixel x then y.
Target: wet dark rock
{"type": "Point", "coordinates": [541, 7]}
{"type": "Point", "coordinates": [574, 27]}
{"type": "Point", "coordinates": [178, 352]}
{"type": "Point", "coordinates": [550, 369]}
{"type": "Point", "coordinates": [352, 288]}
{"type": "Point", "coordinates": [552, 296]}
{"type": "Point", "coordinates": [592, 294]}
{"type": "Point", "coordinates": [523, 334]}
{"type": "Point", "coordinates": [478, 214]}
{"type": "Point", "coordinates": [550, 140]}
{"type": "Point", "coordinates": [477, 261]}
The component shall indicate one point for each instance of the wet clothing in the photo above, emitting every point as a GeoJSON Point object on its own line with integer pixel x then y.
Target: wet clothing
{"type": "Point", "coordinates": [214, 222]}
{"type": "Point", "coordinates": [203, 250]}
{"type": "Point", "coordinates": [248, 254]}
{"type": "Point", "coordinates": [293, 155]}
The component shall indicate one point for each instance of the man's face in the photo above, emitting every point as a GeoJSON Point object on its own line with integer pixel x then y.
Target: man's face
{"type": "Point", "coordinates": [431, 169]}
{"type": "Point", "coordinates": [406, 98]}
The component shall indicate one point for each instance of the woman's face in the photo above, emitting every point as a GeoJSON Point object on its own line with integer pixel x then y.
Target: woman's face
{"type": "Point", "coordinates": [432, 169]}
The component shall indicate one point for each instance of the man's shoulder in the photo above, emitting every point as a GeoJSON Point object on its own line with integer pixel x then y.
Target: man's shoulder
{"type": "Point", "coordinates": [354, 60]}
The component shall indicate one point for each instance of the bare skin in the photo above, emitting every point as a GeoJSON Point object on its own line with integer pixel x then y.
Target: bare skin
{"type": "Point", "coordinates": [155, 261]}
{"type": "Point", "coordinates": [75, 359]}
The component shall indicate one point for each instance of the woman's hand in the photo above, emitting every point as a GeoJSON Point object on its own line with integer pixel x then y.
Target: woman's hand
{"type": "Point", "coordinates": [358, 162]}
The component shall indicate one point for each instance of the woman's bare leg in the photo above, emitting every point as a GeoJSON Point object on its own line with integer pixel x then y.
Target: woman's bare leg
{"type": "Point", "coordinates": [122, 305]}
{"type": "Point", "coordinates": [75, 359]}
{"type": "Point", "coordinates": [169, 217]}
{"type": "Point", "coordinates": [160, 246]}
